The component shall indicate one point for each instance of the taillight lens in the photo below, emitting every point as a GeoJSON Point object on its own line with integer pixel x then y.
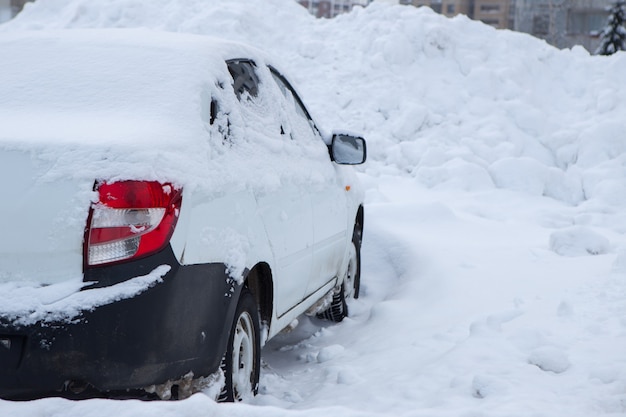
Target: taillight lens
{"type": "Point", "coordinates": [132, 219]}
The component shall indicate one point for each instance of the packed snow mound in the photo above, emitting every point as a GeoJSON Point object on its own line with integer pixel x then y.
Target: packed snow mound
{"type": "Point", "coordinates": [578, 241]}
{"type": "Point", "coordinates": [550, 359]}
{"type": "Point", "coordinates": [485, 107]}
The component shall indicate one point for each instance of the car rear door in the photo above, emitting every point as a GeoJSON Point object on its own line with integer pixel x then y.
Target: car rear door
{"type": "Point", "coordinates": [284, 206]}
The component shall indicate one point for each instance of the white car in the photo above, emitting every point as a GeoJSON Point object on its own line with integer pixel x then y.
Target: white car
{"type": "Point", "coordinates": [168, 205]}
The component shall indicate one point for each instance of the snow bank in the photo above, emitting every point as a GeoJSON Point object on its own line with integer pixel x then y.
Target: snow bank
{"type": "Point", "coordinates": [429, 91]}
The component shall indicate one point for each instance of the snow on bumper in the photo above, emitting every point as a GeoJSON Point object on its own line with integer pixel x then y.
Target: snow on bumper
{"type": "Point", "coordinates": [25, 305]}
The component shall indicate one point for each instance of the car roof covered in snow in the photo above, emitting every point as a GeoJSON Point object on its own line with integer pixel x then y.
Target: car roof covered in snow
{"type": "Point", "coordinates": [120, 104]}
{"type": "Point", "coordinates": [120, 82]}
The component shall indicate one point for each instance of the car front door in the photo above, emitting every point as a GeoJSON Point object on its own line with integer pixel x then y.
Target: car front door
{"type": "Point", "coordinates": [325, 190]}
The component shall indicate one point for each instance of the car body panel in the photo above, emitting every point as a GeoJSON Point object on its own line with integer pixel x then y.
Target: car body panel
{"type": "Point", "coordinates": [41, 219]}
{"type": "Point", "coordinates": [288, 219]}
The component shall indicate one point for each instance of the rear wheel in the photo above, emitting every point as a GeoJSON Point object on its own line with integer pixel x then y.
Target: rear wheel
{"type": "Point", "coordinates": [242, 362]}
{"type": "Point", "coordinates": [338, 309]}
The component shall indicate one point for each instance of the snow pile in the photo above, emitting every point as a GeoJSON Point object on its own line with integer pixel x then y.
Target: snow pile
{"type": "Point", "coordinates": [453, 103]}
{"type": "Point", "coordinates": [496, 162]}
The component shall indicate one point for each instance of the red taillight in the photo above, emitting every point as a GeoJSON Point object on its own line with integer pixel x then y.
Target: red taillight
{"type": "Point", "coordinates": [131, 219]}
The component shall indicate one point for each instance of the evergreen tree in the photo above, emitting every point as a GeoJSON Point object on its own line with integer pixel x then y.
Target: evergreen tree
{"type": "Point", "coordinates": [614, 34]}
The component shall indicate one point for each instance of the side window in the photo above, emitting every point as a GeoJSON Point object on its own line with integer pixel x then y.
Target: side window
{"type": "Point", "coordinates": [257, 98]}
{"type": "Point", "coordinates": [245, 81]}
{"type": "Point", "coordinates": [303, 119]}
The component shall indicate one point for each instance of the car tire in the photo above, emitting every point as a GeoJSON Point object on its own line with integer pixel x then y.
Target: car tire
{"type": "Point", "coordinates": [350, 286]}
{"type": "Point", "coordinates": [241, 363]}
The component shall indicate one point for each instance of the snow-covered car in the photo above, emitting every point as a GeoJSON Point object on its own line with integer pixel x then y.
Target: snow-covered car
{"type": "Point", "coordinates": [168, 205]}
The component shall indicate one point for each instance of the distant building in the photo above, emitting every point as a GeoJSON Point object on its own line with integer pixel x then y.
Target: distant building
{"type": "Point", "coordinates": [446, 7]}
{"type": "Point", "coordinates": [331, 8]}
{"type": "Point", "coordinates": [453, 7]}
{"type": "Point", "coordinates": [493, 12]}
{"type": "Point", "coordinates": [496, 13]}
{"type": "Point", "coordinates": [9, 8]}
{"type": "Point", "coordinates": [563, 23]}
{"type": "Point", "coordinates": [5, 10]}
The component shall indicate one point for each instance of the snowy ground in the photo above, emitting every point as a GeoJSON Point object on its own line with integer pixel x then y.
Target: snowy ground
{"type": "Point", "coordinates": [494, 257]}
{"type": "Point", "coordinates": [466, 312]}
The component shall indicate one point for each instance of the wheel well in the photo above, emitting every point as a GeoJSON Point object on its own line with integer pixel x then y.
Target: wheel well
{"type": "Point", "coordinates": [259, 282]}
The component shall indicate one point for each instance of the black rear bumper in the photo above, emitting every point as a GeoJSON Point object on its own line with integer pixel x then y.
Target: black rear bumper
{"type": "Point", "coordinates": [178, 326]}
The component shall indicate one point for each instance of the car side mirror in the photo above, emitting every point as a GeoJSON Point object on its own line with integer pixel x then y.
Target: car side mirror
{"type": "Point", "coordinates": [348, 149]}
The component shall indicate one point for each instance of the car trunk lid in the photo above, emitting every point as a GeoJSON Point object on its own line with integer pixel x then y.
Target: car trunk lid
{"type": "Point", "coordinates": [42, 220]}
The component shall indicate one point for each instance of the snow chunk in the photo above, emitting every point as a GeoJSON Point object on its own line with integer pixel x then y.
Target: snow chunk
{"type": "Point", "coordinates": [329, 352]}
{"type": "Point", "coordinates": [484, 386]}
{"type": "Point", "coordinates": [619, 264]}
{"type": "Point", "coordinates": [523, 174]}
{"type": "Point", "coordinates": [348, 377]}
{"type": "Point", "coordinates": [605, 374]}
{"type": "Point", "coordinates": [550, 359]}
{"type": "Point", "coordinates": [578, 241]}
